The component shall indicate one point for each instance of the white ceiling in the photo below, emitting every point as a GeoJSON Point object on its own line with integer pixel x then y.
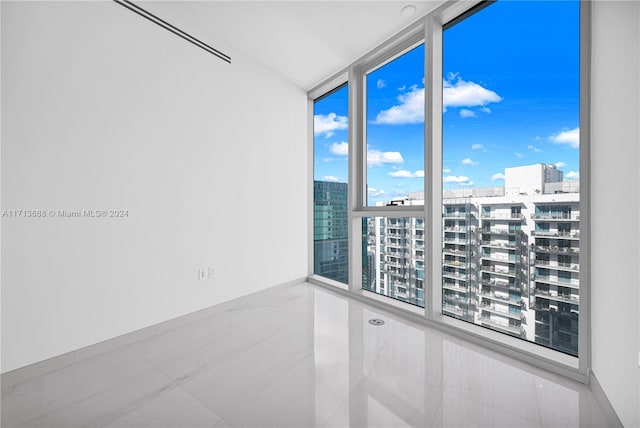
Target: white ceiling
{"type": "Point", "coordinates": [304, 41]}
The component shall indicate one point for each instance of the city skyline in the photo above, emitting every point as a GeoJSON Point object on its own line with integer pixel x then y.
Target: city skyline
{"type": "Point", "coordinates": [509, 101]}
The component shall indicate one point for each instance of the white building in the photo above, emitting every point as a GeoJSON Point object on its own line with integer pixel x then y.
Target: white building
{"type": "Point", "coordinates": [530, 179]}
{"type": "Point", "coordinates": [510, 257]}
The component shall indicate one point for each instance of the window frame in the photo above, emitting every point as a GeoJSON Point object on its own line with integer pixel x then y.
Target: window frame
{"type": "Point", "coordinates": [429, 29]}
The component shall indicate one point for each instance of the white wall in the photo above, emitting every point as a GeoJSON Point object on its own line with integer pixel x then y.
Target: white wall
{"type": "Point", "coordinates": [102, 109]}
{"type": "Point", "coordinates": [615, 204]}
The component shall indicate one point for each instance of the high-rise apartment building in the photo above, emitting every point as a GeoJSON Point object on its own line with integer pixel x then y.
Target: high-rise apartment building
{"type": "Point", "coordinates": [330, 228]}
{"type": "Point", "coordinates": [510, 256]}
{"type": "Point", "coordinates": [459, 267]}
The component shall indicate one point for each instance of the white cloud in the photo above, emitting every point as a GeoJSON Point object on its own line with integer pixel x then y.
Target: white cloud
{"type": "Point", "coordinates": [485, 110]}
{"type": "Point", "coordinates": [534, 148]}
{"type": "Point", "coordinates": [466, 94]}
{"type": "Point", "coordinates": [339, 149]}
{"type": "Point", "coordinates": [459, 94]}
{"type": "Point", "coordinates": [497, 176]}
{"type": "Point", "coordinates": [560, 164]}
{"type": "Point", "coordinates": [381, 84]}
{"type": "Point", "coordinates": [410, 109]}
{"type": "Point", "coordinates": [446, 171]}
{"type": "Point", "coordinates": [465, 113]}
{"type": "Point", "coordinates": [373, 192]}
{"type": "Point", "coordinates": [459, 179]}
{"type": "Point", "coordinates": [402, 88]}
{"type": "Point", "coordinates": [469, 161]}
{"type": "Point", "coordinates": [328, 123]}
{"type": "Point", "coordinates": [570, 137]}
{"type": "Point", "coordinates": [572, 175]}
{"type": "Point", "coordinates": [518, 155]}
{"type": "Point", "coordinates": [376, 157]}
{"type": "Point", "coordinates": [403, 173]}
{"type": "Point", "coordinates": [477, 146]}
{"type": "Point", "coordinates": [330, 178]}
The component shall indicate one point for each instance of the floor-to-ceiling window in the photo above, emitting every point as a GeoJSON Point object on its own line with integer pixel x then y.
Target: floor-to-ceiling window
{"type": "Point", "coordinates": [393, 245]}
{"type": "Point", "coordinates": [467, 161]}
{"type": "Point", "coordinates": [330, 189]}
{"type": "Point", "coordinates": [511, 170]}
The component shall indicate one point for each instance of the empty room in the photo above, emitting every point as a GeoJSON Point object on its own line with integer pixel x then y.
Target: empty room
{"type": "Point", "coordinates": [320, 213]}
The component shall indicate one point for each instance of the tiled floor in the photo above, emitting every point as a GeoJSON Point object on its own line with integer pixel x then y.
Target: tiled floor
{"type": "Point", "coordinates": [298, 356]}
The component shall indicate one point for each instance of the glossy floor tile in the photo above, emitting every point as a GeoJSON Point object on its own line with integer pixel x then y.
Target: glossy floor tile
{"type": "Point", "coordinates": [296, 356]}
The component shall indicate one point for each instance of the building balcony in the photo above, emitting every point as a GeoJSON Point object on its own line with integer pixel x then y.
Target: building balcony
{"type": "Point", "coordinates": [397, 225]}
{"type": "Point", "coordinates": [501, 216]}
{"type": "Point", "coordinates": [557, 265]}
{"type": "Point", "coordinates": [456, 241]}
{"type": "Point", "coordinates": [492, 309]}
{"type": "Point", "coordinates": [455, 299]}
{"type": "Point", "coordinates": [456, 275]}
{"type": "Point", "coordinates": [459, 253]}
{"type": "Point", "coordinates": [559, 217]}
{"type": "Point", "coordinates": [560, 235]}
{"type": "Point", "coordinates": [396, 281]}
{"type": "Point", "coordinates": [499, 260]}
{"type": "Point", "coordinates": [401, 294]}
{"type": "Point", "coordinates": [552, 305]}
{"type": "Point", "coordinates": [498, 297]}
{"type": "Point", "coordinates": [396, 245]}
{"type": "Point", "coordinates": [501, 284]}
{"type": "Point", "coordinates": [554, 249]}
{"type": "Point", "coordinates": [493, 270]}
{"type": "Point", "coordinates": [455, 287]}
{"type": "Point", "coordinates": [454, 264]}
{"type": "Point", "coordinates": [455, 215]}
{"type": "Point", "coordinates": [573, 283]}
{"type": "Point", "coordinates": [398, 254]}
{"type": "Point", "coordinates": [454, 310]}
{"type": "Point", "coordinates": [511, 329]}
{"type": "Point", "coordinates": [459, 229]}
{"type": "Point", "coordinates": [494, 244]}
{"type": "Point", "coordinates": [565, 298]}
{"type": "Point", "coordinates": [495, 231]}
{"type": "Point", "coordinates": [397, 235]}
{"type": "Point", "coordinates": [397, 264]}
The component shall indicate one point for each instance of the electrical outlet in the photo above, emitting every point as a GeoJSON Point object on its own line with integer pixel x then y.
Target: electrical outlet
{"type": "Point", "coordinates": [202, 274]}
{"type": "Point", "coordinates": [211, 272]}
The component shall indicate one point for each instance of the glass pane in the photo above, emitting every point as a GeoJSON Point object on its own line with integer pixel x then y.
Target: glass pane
{"type": "Point", "coordinates": [395, 129]}
{"type": "Point", "coordinates": [393, 257]}
{"type": "Point", "coordinates": [330, 203]}
{"type": "Point", "coordinates": [511, 203]}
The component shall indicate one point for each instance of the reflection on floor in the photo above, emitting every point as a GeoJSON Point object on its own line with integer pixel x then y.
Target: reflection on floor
{"type": "Point", "coordinates": [296, 356]}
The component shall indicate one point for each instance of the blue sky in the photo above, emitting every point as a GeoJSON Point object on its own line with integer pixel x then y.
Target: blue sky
{"type": "Point", "coordinates": [511, 97]}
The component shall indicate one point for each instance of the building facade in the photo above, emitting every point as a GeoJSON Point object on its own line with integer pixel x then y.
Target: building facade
{"type": "Point", "coordinates": [330, 230]}
{"type": "Point", "coordinates": [510, 256]}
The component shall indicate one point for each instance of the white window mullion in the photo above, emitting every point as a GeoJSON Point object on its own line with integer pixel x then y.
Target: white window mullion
{"type": "Point", "coordinates": [356, 184]}
{"type": "Point", "coordinates": [584, 326]}
{"type": "Point", "coordinates": [433, 167]}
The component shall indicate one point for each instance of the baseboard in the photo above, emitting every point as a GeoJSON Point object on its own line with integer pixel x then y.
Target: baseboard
{"type": "Point", "coordinates": [22, 374]}
{"type": "Point", "coordinates": [603, 401]}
